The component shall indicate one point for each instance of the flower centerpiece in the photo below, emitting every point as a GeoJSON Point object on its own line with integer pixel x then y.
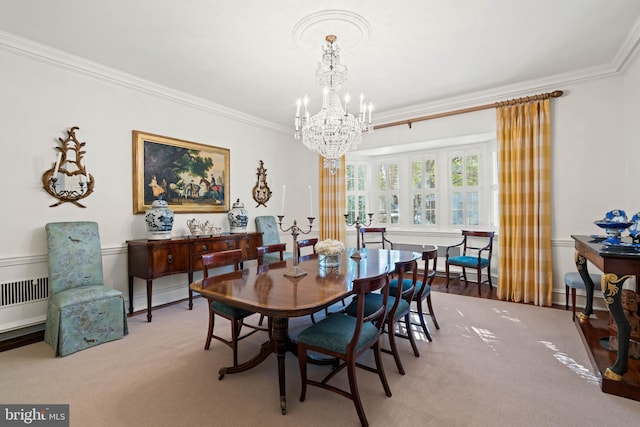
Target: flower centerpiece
{"type": "Point", "coordinates": [329, 251]}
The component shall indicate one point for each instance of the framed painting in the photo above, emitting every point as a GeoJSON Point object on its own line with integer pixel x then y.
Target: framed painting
{"type": "Point", "coordinates": [189, 176]}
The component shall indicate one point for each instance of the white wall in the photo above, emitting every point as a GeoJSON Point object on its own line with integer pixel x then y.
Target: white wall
{"type": "Point", "coordinates": [41, 100]}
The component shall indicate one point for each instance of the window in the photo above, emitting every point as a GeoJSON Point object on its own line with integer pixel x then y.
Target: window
{"type": "Point", "coordinates": [356, 178]}
{"type": "Point", "coordinates": [448, 187]}
{"type": "Point", "coordinates": [423, 177]}
{"type": "Point", "coordinates": [387, 198]}
{"type": "Point", "coordinates": [465, 191]}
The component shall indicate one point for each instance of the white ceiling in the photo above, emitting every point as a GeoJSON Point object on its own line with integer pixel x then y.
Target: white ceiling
{"type": "Point", "coordinates": [258, 56]}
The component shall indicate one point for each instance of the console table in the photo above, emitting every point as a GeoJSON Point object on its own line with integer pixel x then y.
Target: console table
{"type": "Point", "coordinates": [618, 263]}
{"type": "Point", "coordinates": [150, 259]}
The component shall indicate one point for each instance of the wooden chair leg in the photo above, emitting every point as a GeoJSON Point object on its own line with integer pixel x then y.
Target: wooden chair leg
{"type": "Point", "coordinates": [479, 281]}
{"type": "Point", "coordinates": [431, 313]}
{"type": "Point", "coordinates": [261, 319]}
{"type": "Point", "coordinates": [446, 268]}
{"type": "Point", "coordinates": [407, 321]}
{"type": "Point", "coordinates": [566, 297]}
{"type": "Point", "coordinates": [355, 394]}
{"type": "Point", "coordinates": [302, 361]}
{"type": "Point", "coordinates": [380, 368]}
{"type": "Point", "coordinates": [394, 348]}
{"type": "Point", "coordinates": [207, 343]}
{"type": "Point", "coordinates": [573, 303]}
{"type": "Point", "coordinates": [422, 322]}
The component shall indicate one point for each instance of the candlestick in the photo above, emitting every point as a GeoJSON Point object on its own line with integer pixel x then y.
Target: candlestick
{"type": "Point", "coordinates": [284, 189]}
{"type": "Point", "coordinates": [310, 202]}
{"type": "Point", "coordinates": [294, 270]}
{"type": "Point", "coordinates": [358, 223]}
{"type": "Point", "coordinates": [55, 170]}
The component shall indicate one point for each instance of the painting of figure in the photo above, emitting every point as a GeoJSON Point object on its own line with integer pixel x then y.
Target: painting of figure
{"type": "Point", "coordinates": [189, 176]}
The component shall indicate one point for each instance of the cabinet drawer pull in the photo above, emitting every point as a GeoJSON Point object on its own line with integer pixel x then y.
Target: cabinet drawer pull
{"type": "Point", "coordinates": [169, 259]}
{"type": "Point", "coordinates": [204, 248]}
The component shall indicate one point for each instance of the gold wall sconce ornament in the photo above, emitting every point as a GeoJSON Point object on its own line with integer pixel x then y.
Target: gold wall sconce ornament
{"type": "Point", "coordinates": [68, 180]}
{"type": "Point", "coordinates": [261, 191]}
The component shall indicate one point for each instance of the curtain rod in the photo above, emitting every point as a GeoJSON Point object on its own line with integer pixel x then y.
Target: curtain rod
{"type": "Point", "coordinates": [554, 94]}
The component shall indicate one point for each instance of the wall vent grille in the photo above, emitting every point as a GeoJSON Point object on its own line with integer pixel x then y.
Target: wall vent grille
{"type": "Point", "coordinates": [22, 291]}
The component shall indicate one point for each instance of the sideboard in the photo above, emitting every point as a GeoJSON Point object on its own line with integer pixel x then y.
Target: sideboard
{"type": "Point", "coordinates": [150, 259]}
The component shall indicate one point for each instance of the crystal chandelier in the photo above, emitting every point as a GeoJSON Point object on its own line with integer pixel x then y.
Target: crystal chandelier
{"type": "Point", "coordinates": [333, 131]}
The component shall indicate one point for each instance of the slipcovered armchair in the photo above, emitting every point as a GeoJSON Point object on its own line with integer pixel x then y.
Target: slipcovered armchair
{"type": "Point", "coordinates": [270, 236]}
{"type": "Point", "coordinates": [82, 312]}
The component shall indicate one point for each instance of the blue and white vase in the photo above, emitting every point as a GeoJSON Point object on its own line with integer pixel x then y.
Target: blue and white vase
{"type": "Point", "coordinates": [159, 220]}
{"type": "Point", "coordinates": [238, 218]}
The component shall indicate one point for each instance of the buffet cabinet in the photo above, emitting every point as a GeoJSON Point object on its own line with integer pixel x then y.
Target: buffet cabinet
{"type": "Point", "coordinates": [150, 259]}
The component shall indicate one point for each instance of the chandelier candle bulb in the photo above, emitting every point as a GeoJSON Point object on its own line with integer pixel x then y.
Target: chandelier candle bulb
{"type": "Point", "coordinates": [298, 108]}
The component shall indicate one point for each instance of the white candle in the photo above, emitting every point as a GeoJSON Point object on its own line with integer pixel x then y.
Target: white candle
{"type": "Point", "coordinates": [284, 188]}
{"type": "Point", "coordinates": [361, 102]}
{"type": "Point", "coordinates": [370, 109]}
{"type": "Point", "coordinates": [346, 102]}
{"type": "Point", "coordinates": [55, 171]}
{"type": "Point", "coordinates": [310, 203]}
{"type": "Point", "coordinates": [298, 108]}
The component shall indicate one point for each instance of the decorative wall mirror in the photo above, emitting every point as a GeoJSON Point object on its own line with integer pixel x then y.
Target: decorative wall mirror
{"type": "Point", "coordinates": [261, 192]}
{"type": "Point", "coordinates": [68, 180]}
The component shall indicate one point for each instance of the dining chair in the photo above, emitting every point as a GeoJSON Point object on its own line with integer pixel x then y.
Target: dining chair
{"type": "Point", "coordinates": [399, 308]}
{"type": "Point", "coordinates": [346, 338]}
{"type": "Point", "coordinates": [306, 243]}
{"type": "Point", "coordinates": [375, 236]}
{"type": "Point", "coordinates": [477, 247]}
{"type": "Point", "coordinates": [270, 256]}
{"type": "Point", "coordinates": [267, 225]}
{"type": "Point", "coordinates": [81, 311]}
{"type": "Point", "coordinates": [423, 290]}
{"type": "Point", "coordinates": [235, 315]}
{"type": "Point", "coordinates": [573, 281]}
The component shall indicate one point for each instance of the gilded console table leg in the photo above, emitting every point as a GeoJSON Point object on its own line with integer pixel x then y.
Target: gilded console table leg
{"type": "Point", "coordinates": [581, 265]}
{"type": "Point", "coordinates": [612, 291]}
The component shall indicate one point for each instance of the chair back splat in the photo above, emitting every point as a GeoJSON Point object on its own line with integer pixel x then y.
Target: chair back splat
{"type": "Point", "coordinates": [304, 243]}
{"type": "Point", "coordinates": [477, 247]}
{"type": "Point", "coordinates": [82, 312]}
{"type": "Point", "coordinates": [347, 337]}
{"type": "Point", "coordinates": [375, 237]}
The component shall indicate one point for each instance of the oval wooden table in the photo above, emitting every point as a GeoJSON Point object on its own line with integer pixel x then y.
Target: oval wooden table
{"type": "Point", "coordinates": [280, 297]}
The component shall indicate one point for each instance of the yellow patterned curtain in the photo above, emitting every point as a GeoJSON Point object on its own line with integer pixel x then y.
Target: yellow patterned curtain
{"type": "Point", "coordinates": [524, 158]}
{"type": "Point", "coordinates": [332, 202]}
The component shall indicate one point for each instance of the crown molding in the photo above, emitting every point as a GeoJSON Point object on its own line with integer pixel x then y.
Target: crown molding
{"type": "Point", "coordinates": [49, 55]}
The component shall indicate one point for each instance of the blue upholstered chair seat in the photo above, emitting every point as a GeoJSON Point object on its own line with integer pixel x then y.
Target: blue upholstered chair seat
{"type": "Point", "coordinates": [238, 313]}
{"type": "Point", "coordinates": [335, 332]}
{"type": "Point", "coordinates": [84, 294]}
{"type": "Point", "coordinates": [573, 279]}
{"type": "Point", "coordinates": [468, 261]}
{"type": "Point", "coordinates": [406, 284]}
{"type": "Point", "coordinates": [373, 301]}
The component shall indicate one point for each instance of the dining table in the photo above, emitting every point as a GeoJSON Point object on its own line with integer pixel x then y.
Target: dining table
{"type": "Point", "coordinates": [281, 297]}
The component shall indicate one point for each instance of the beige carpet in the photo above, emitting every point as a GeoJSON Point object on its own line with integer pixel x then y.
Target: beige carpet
{"type": "Point", "coordinates": [491, 364]}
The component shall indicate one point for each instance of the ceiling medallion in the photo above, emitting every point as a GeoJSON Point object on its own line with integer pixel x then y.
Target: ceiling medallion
{"type": "Point", "coordinates": [349, 25]}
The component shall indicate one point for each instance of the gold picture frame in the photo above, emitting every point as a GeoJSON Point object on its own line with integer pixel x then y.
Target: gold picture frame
{"type": "Point", "coordinates": [189, 176]}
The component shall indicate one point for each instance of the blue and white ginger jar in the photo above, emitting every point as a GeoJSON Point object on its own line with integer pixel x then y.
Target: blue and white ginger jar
{"type": "Point", "coordinates": [159, 220]}
{"type": "Point", "coordinates": [238, 218]}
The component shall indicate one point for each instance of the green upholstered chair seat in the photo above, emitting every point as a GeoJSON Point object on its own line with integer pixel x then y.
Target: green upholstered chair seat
{"type": "Point", "coordinates": [406, 284]}
{"type": "Point", "coordinates": [335, 332]}
{"type": "Point", "coordinates": [83, 294]}
{"type": "Point", "coordinates": [468, 261]}
{"type": "Point", "coordinates": [373, 301]}
{"type": "Point", "coordinates": [230, 311]}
